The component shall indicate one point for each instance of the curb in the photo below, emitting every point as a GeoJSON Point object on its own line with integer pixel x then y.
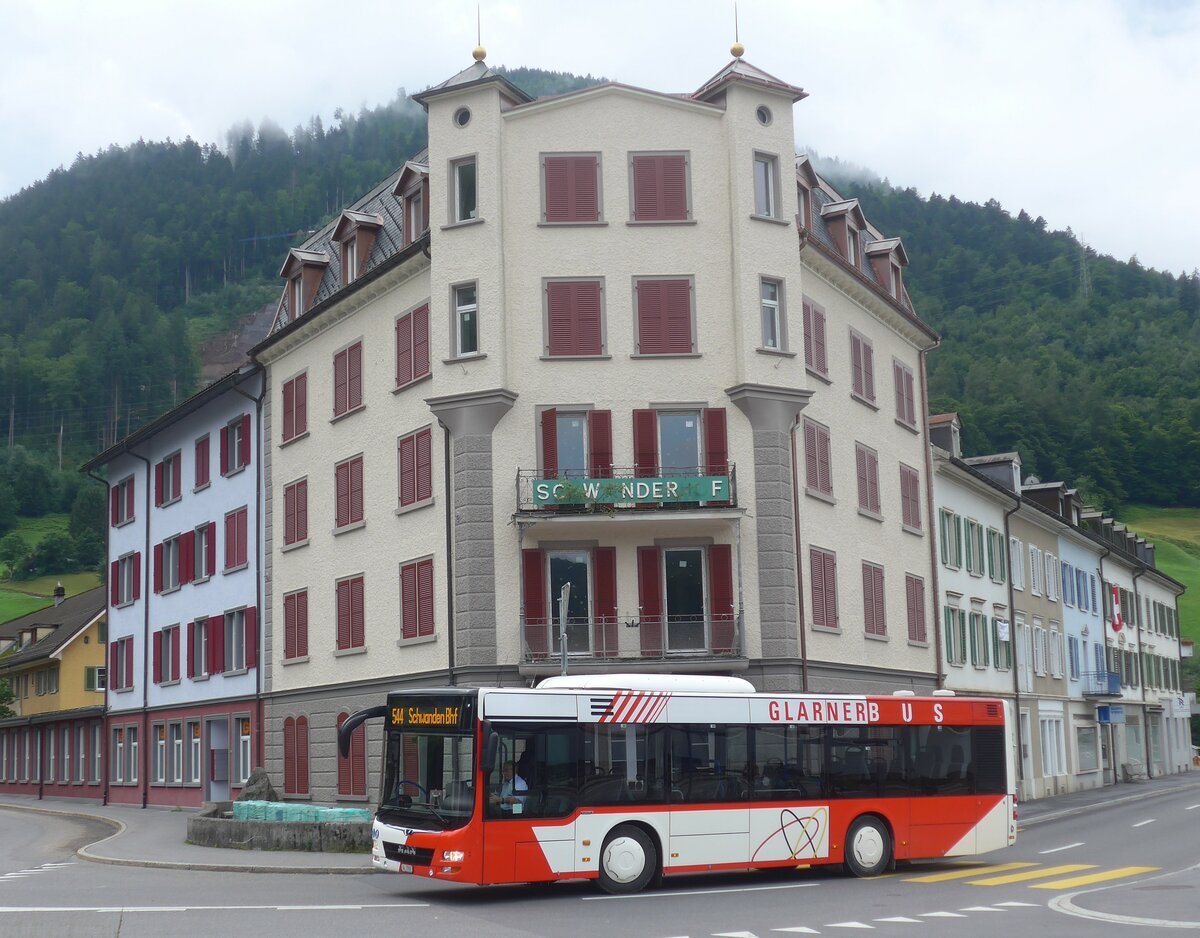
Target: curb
{"type": "Point", "coordinates": [1080, 809]}
{"type": "Point", "coordinates": [85, 852]}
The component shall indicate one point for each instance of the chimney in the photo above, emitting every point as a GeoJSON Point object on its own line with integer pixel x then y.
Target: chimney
{"type": "Point", "coordinates": [60, 594]}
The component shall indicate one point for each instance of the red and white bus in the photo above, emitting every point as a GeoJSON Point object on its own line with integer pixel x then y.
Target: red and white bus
{"type": "Point", "coordinates": [625, 778]}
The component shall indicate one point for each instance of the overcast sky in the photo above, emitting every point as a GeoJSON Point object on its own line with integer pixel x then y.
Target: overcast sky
{"type": "Point", "coordinates": [1082, 111]}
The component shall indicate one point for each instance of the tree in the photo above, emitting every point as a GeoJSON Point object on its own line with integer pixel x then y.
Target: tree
{"type": "Point", "coordinates": [6, 699]}
{"type": "Point", "coordinates": [13, 553]}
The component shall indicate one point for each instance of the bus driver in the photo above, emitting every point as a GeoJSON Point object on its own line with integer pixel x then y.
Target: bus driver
{"type": "Point", "coordinates": [512, 790]}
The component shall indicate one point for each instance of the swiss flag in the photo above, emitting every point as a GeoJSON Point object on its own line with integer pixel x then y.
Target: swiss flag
{"type": "Point", "coordinates": [1117, 623]}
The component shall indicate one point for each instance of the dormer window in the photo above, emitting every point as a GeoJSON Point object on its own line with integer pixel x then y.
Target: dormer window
{"type": "Point", "coordinates": [356, 233]}
{"type": "Point", "coordinates": [296, 301]}
{"type": "Point", "coordinates": [303, 271]}
{"type": "Point", "coordinates": [887, 260]}
{"type": "Point", "coordinates": [896, 280]}
{"type": "Point", "coordinates": [412, 192]}
{"type": "Point", "coordinates": [349, 261]}
{"type": "Point", "coordinates": [852, 246]}
{"type": "Point", "coordinates": [804, 200]}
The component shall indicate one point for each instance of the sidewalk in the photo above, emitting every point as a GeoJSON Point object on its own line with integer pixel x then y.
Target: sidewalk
{"type": "Point", "coordinates": [155, 837]}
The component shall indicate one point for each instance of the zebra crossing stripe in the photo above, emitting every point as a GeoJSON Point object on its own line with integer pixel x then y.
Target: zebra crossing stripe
{"type": "Point", "coordinates": [1101, 877]}
{"type": "Point", "coordinates": [967, 873]}
{"type": "Point", "coordinates": [1032, 874]}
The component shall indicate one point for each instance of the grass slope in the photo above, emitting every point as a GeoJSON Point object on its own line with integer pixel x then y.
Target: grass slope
{"type": "Point", "coordinates": [21, 597]}
{"type": "Point", "coordinates": [1176, 536]}
{"type": "Point", "coordinates": [14, 605]}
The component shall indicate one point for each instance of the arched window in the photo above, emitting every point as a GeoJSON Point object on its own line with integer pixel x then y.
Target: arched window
{"type": "Point", "coordinates": [295, 756]}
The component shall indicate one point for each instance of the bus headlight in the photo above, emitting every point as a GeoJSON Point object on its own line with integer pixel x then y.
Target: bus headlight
{"type": "Point", "coordinates": [453, 856]}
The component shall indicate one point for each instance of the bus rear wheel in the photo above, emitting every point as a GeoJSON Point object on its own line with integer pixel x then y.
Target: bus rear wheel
{"type": "Point", "coordinates": [628, 860]}
{"type": "Point", "coordinates": [868, 847]}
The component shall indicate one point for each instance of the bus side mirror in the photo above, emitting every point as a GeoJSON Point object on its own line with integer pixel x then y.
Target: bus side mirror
{"type": "Point", "coordinates": [489, 751]}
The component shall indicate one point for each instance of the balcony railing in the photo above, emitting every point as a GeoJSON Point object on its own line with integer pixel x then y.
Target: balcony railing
{"type": "Point", "coordinates": [1101, 684]}
{"type": "Point", "coordinates": [623, 488]}
{"type": "Point", "coordinates": [634, 638]}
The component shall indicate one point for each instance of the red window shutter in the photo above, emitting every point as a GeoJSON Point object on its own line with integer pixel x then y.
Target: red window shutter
{"type": "Point", "coordinates": [175, 654]}
{"type": "Point", "coordinates": [342, 495]}
{"type": "Point", "coordinates": [716, 446]}
{"type": "Point", "coordinates": [216, 641]}
{"type": "Point", "coordinates": [114, 512]}
{"type": "Point", "coordinates": [404, 368]}
{"type": "Point", "coordinates": [645, 443]}
{"type": "Point", "coordinates": [343, 762]}
{"type": "Point", "coordinates": [210, 564]}
{"type": "Point", "coordinates": [560, 320]}
{"type": "Point", "coordinates": [571, 189]}
{"type": "Point", "coordinates": [158, 568]}
{"type": "Point", "coordinates": [830, 579]}
{"type": "Point", "coordinates": [660, 188]}
{"type": "Point", "coordinates": [600, 455]}
{"type": "Point", "coordinates": [868, 599]}
{"type": "Point", "coordinates": [408, 601]}
{"type": "Point", "coordinates": [898, 378]}
{"type": "Point", "coordinates": [289, 410]}
{"type": "Point", "coordinates": [114, 650]}
{"type": "Point", "coordinates": [872, 482]}
{"type": "Point", "coordinates": [343, 614]}
{"type": "Point", "coordinates": [604, 570]}
{"type": "Point", "coordinates": [880, 613]}
{"type": "Point", "coordinates": [230, 540]}
{"type": "Point", "coordinates": [860, 463]}
{"type": "Point", "coordinates": [812, 477]}
{"type": "Point", "coordinates": [158, 484]}
{"type": "Point", "coordinates": [129, 498]}
{"type": "Point", "coordinates": [809, 360]}
{"type": "Point", "coordinates": [856, 365]}
{"type": "Point", "coordinates": [557, 189]}
{"type": "Point", "coordinates": [424, 464]}
{"type": "Point", "coordinates": [289, 515]}
{"type": "Point", "coordinates": [202, 473]}
{"type": "Point", "coordinates": [177, 474]}
{"type": "Point", "coordinates": [647, 204]}
{"type": "Point", "coordinates": [678, 316]}
{"type": "Point", "coordinates": [354, 376]}
{"type": "Point", "coordinates": [425, 597]}
{"type": "Point", "coordinates": [816, 579]}
{"type": "Point", "coordinates": [339, 383]}
{"type": "Point", "coordinates": [356, 490]}
{"type": "Point", "coordinates": [251, 637]}
{"type": "Point", "coordinates": [820, 361]}
{"type": "Point", "coordinates": [550, 443]}
{"type": "Point", "coordinates": [302, 756]}
{"type": "Point", "coordinates": [720, 584]}
{"type": "Point", "coordinates": [824, 468]}
{"type": "Point", "coordinates": [650, 601]}
{"type": "Point", "coordinates": [301, 404]}
{"type": "Point", "coordinates": [114, 582]}
{"type": "Point", "coordinates": [191, 650]}
{"type": "Point", "coordinates": [158, 676]}
{"type": "Point", "coordinates": [302, 623]}
{"type": "Point", "coordinates": [868, 365]}
{"type": "Point", "coordinates": [302, 510]}
{"type": "Point", "coordinates": [128, 643]}
{"type": "Point", "coordinates": [533, 582]}
{"type": "Point", "coordinates": [137, 575]}
{"type": "Point", "coordinates": [289, 756]}
{"type": "Point", "coordinates": [420, 341]}
{"type": "Point", "coordinates": [408, 470]}
{"type": "Point", "coordinates": [289, 626]}
{"type": "Point", "coordinates": [357, 625]}
{"type": "Point", "coordinates": [187, 556]}
{"type": "Point", "coordinates": [573, 318]}
{"type": "Point", "coordinates": [358, 761]}
{"type": "Point", "coordinates": [224, 450]}
{"type": "Point", "coordinates": [650, 317]}
{"type": "Point", "coordinates": [910, 406]}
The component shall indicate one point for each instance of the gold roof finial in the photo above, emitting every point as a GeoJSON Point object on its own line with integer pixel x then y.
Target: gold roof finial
{"type": "Point", "coordinates": [737, 49]}
{"type": "Point", "coordinates": [480, 53]}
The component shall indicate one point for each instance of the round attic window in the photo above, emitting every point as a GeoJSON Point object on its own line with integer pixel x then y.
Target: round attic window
{"type": "Point", "coordinates": [763, 114]}
{"type": "Point", "coordinates": [462, 117]}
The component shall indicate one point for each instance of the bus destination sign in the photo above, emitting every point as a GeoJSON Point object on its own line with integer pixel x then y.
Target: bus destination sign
{"type": "Point", "coordinates": [431, 713]}
{"type": "Point", "coordinates": [631, 491]}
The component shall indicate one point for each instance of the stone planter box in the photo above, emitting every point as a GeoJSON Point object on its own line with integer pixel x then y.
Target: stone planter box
{"type": "Point", "coordinates": [212, 827]}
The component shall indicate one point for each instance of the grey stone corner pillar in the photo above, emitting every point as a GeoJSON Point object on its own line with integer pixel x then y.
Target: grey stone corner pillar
{"type": "Point", "coordinates": [471, 418]}
{"type": "Point", "coordinates": [772, 412]}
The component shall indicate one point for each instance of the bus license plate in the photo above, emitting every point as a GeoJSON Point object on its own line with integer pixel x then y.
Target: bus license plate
{"type": "Point", "coordinates": [405, 867]}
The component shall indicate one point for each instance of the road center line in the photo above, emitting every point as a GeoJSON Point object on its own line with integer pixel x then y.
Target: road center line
{"type": "Point", "coordinates": [1144, 823]}
{"type": "Point", "coordinates": [1057, 849]}
{"type": "Point", "coordinates": [1192, 807]}
{"type": "Point", "coordinates": [23, 910]}
{"type": "Point", "coordinates": [698, 892]}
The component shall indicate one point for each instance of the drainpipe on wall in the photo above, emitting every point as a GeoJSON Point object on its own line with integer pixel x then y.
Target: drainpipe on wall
{"type": "Point", "coordinates": [107, 601]}
{"type": "Point", "coordinates": [799, 561]}
{"type": "Point", "coordinates": [259, 523]}
{"type": "Point", "coordinates": [935, 594]}
{"type": "Point", "coordinates": [1112, 733]}
{"type": "Point", "coordinates": [1137, 612]}
{"type": "Point", "coordinates": [147, 592]}
{"type": "Point", "coordinates": [450, 679]}
{"type": "Point", "coordinates": [1012, 635]}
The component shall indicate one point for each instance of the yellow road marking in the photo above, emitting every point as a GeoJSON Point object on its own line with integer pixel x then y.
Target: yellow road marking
{"type": "Point", "coordinates": [1074, 881]}
{"type": "Point", "coordinates": [972, 871]}
{"type": "Point", "coordinates": [1031, 874]}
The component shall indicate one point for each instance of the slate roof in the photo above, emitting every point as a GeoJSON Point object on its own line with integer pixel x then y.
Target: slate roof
{"type": "Point", "coordinates": [474, 74]}
{"type": "Point", "coordinates": [71, 616]}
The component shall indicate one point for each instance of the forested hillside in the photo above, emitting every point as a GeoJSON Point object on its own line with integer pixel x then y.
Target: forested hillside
{"type": "Point", "coordinates": [111, 271]}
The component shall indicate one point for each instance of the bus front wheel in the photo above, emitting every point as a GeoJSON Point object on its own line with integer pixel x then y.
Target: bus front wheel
{"type": "Point", "coordinates": [868, 847]}
{"type": "Point", "coordinates": [628, 861]}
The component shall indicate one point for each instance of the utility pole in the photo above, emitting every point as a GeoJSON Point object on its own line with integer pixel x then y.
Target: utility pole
{"type": "Point", "coordinates": [60, 441]}
{"type": "Point", "coordinates": [1085, 281]}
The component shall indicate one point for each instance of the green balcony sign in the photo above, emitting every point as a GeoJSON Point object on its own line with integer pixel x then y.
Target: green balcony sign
{"type": "Point", "coordinates": [630, 491]}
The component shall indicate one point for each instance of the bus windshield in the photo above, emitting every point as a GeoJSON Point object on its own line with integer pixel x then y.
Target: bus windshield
{"type": "Point", "coordinates": [428, 780]}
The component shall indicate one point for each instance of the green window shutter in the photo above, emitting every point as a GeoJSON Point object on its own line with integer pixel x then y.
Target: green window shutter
{"type": "Point", "coordinates": [962, 636]}
{"type": "Point", "coordinates": [970, 548]}
{"type": "Point", "coordinates": [974, 642]}
{"type": "Point", "coordinates": [958, 540]}
{"type": "Point", "coordinates": [89, 678]}
{"type": "Point", "coordinates": [948, 618]}
{"type": "Point", "coordinates": [945, 532]}
{"type": "Point", "coordinates": [1003, 560]}
{"type": "Point", "coordinates": [991, 555]}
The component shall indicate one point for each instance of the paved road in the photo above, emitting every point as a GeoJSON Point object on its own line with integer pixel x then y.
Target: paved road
{"type": "Point", "coordinates": [1136, 859]}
